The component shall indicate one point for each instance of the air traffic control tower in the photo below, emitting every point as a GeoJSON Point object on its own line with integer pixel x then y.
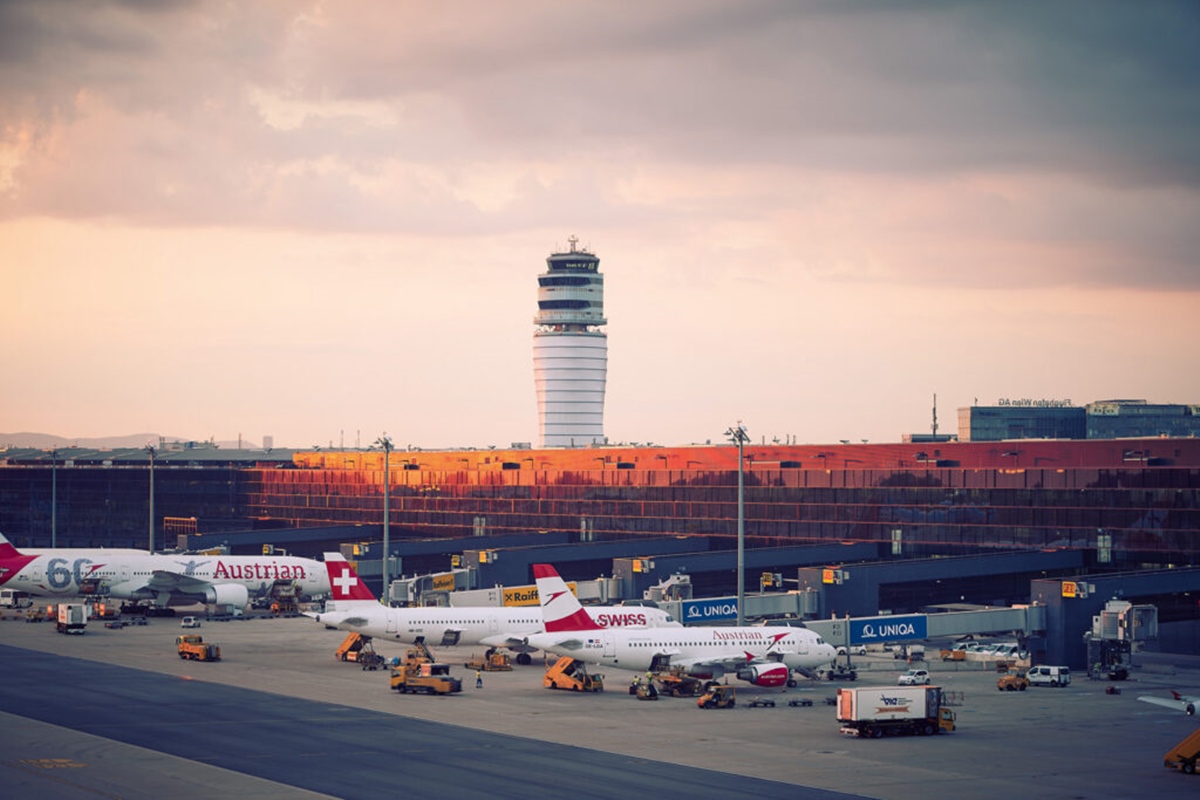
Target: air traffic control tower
{"type": "Point", "coordinates": [570, 352]}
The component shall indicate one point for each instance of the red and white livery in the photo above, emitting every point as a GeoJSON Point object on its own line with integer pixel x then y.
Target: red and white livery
{"type": "Point", "coordinates": [354, 608]}
{"type": "Point", "coordinates": [161, 579]}
{"type": "Point", "coordinates": [762, 656]}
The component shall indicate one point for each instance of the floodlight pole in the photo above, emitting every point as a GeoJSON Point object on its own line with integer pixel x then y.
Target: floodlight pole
{"type": "Point", "coordinates": [386, 444]}
{"type": "Point", "coordinates": [150, 450]}
{"type": "Point", "coordinates": [54, 498]}
{"type": "Point", "coordinates": [737, 434]}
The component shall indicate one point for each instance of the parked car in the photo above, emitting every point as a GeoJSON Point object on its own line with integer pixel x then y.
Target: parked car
{"type": "Point", "coordinates": [190, 622]}
{"type": "Point", "coordinates": [854, 649]}
{"type": "Point", "coordinates": [914, 677]}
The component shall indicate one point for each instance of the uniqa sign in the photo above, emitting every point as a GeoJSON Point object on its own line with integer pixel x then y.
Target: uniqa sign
{"type": "Point", "coordinates": [888, 629]}
{"type": "Point", "coordinates": [697, 611]}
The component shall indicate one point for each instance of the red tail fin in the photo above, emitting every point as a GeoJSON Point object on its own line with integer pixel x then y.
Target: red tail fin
{"type": "Point", "coordinates": [561, 610]}
{"type": "Point", "coordinates": [7, 551]}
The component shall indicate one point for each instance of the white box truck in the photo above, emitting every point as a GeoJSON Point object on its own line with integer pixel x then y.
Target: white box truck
{"type": "Point", "coordinates": [72, 618]}
{"type": "Point", "coordinates": [891, 710]}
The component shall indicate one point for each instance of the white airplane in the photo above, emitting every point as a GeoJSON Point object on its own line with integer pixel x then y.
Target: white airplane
{"type": "Point", "coordinates": [160, 579]}
{"type": "Point", "coordinates": [354, 608]}
{"type": "Point", "coordinates": [1179, 702]}
{"type": "Point", "coordinates": [760, 655]}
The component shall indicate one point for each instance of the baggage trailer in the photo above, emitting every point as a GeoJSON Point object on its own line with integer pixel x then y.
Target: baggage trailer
{"type": "Point", "coordinates": [893, 710]}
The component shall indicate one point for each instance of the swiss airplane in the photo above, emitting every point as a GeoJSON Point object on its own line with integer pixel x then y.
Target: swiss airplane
{"type": "Point", "coordinates": [760, 655]}
{"type": "Point", "coordinates": [1179, 702]}
{"type": "Point", "coordinates": [354, 608]}
{"type": "Point", "coordinates": [158, 578]}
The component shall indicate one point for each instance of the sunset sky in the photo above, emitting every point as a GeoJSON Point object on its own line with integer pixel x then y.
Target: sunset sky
{"type": "Point", "coordinates": [324, 221]}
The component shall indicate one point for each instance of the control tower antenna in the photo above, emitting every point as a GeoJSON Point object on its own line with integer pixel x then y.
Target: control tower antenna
{"type": "Point", "coordinates": [570, 351]}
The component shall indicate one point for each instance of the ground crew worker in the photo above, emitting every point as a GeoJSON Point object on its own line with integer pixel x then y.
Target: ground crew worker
{"type": "Point", "coordinates": [478, 679]}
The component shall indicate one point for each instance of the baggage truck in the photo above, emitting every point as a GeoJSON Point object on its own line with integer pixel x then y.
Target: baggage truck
{"type": "Point", "coordinates": [72, 618]}
{"type": "Point", "coordinates": [893, 710]}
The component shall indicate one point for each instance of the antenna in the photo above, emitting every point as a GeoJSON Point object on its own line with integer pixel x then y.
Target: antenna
{"type": "Point", "coordinates": [935, 415]}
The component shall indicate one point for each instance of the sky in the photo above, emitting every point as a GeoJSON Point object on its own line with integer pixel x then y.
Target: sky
{"type": "Point", "coordinates": [323, 222]}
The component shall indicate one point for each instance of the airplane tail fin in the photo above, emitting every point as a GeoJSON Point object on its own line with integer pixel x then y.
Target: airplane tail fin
{"type": "Point", "coordinates": [7, 551]}
{"type": "Point", "coordinates": [344, 582]}
{"type": "Point", "coordinates": [1176, 695]}
{"type": "Point", "coordinates": [561, 610]}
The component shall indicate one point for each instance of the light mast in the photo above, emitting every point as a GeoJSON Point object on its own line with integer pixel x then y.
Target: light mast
{"type": "Point", "coordinates": [570, 352]}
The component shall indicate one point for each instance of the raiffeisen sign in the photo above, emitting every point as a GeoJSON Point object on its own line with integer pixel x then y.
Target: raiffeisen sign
{"type": "Point", "coordinates": [876, 630]}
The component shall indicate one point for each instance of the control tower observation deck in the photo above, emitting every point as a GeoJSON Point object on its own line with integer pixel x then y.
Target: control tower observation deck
{"type": "Point", "coordinates": [570, 352]}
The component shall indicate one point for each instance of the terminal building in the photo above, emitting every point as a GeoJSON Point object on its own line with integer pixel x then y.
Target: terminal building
{"type": "Point", "coordinates": [1059, 419]}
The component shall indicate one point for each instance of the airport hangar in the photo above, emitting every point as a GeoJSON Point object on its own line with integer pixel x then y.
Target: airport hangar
{"type": "Point", "coordinates": [1049, 598]}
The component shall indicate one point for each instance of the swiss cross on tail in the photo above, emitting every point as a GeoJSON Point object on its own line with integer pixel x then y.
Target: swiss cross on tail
{"type": "Point", "coordinates": [344, 581]}
{"type": "Point", "coordinates": [561, 610]}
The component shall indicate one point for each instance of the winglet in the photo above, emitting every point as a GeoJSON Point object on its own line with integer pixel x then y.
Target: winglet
{"type": "Point", "coordinates": [561, 610]}
{"type": "Point", "coordinates": [344, 582]}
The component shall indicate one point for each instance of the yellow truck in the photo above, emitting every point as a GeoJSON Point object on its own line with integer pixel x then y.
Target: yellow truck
{"type": "Point", "coordinates": [424, 677]}
{"type": "Point", "coordinates": [572, 675]}
{"type": "Point", "coordinates": [1012, 681]}
{"type": "Point", "coordinates": [1183, 756]}
{"type": "Point", "coordinates": [491, 661]}
{"type": "Point", "coordinates": [193, 648]}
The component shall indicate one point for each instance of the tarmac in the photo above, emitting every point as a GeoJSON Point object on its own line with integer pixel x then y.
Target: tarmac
{"type": "Point", "coordinates": [1089, 741]}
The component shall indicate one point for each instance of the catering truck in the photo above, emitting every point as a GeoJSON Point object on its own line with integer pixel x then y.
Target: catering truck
{"type": "Point", "coordinates": [72, 618]}
{"type": "Point", "coordinates": [893, 710]}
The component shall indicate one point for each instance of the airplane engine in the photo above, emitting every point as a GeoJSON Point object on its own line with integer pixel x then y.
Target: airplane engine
{"type": "Point", "coordinates": [765, 674]}
{"type": "Point", "coordinates": [227, 594]}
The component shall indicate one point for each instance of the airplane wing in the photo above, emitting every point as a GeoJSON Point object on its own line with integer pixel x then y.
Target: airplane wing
{"type": "Point", "coordinates": [1180, 702]}
{"type": "Point", "coordinates": [509, 641]}
{"type": "Point", "coordinates": [162, 580]}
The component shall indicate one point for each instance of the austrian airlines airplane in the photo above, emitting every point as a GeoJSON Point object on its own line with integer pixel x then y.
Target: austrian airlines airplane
{"type": "Point", "coordinates": [763, 656]}
{"type": "Point", "coordinates": [161, 579]}
{"type": "Point", "coordinates": [354, 608]}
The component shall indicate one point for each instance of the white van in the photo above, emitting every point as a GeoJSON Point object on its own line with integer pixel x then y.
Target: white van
{"type": "Point", "coordinates": [1049, 676]}
{"type": "Point", "coordinates": [190, 622]}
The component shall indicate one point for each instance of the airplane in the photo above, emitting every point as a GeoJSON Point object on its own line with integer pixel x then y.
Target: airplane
{"type": "Point", "coordinates": [761, 656]}
{"type": "Point", "coordinates": [353, 607]}
{"type": "Point", "coordinates": [158, 578]}
{"type": "Point", "coordinates": [1179, 702]}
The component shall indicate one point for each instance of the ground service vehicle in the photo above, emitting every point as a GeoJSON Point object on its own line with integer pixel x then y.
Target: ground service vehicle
{"type": "Point", "coordinates": [352, 646]}
{"type": "Point", "coordinates": [718, 696]}
{"type": "Point", "coordinates": [567, 673]}
{"type": "Point", "coordinates": [72, 618]}
{"type": "Point", "coordinates": [492, 661]}
{"type": "Point", "coordinates": [190, 622]}
{"type": "Point", "coordinates": [1043, 675]}
{"type": "Point", "coordinates": [678, 683]}
{"type": "Point", "coordinates": [839, 672]}
{"type": "Point", "coordinates": [192, 647]}
{"type": "Point", "coordinates": [424, 677]}
{"type": "Point", "coordinates": [874, 712]}
{"type": "Point", "coordinates": [1183, 756]}
{"type": "Point", "coordinates": [15, 598]}
{"type": "Point", "coordinates": [1012, 681]}
{"type": "Point", "coordinates": [914, 677]}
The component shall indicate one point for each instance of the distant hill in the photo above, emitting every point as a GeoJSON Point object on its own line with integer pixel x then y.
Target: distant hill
{"type": "Point", "coordinates": [48, 441]}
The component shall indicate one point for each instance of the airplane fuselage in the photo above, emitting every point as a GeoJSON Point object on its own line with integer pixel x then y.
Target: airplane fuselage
{"type": "Point", "coordinates": [144, 576]}
{"type": "Point", "coordinates": [704, 652]}
{"type": "Point", "coordinates": [468, 626]}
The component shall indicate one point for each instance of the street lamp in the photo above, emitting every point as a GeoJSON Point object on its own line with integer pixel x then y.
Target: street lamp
{"type": "Point", "coordinates": [737, 435]}
{"type": "Point", "coordinates": [150, 450]}
{"type": "Point", "coordinates": [386, 444]}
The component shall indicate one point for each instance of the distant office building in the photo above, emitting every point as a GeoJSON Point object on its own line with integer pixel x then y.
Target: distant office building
{"type": "Point", "coordinates": [1022, 419]}
{"type": "Point", "coordinates": [1125, 419]}
{"type": "Point", "coordinates": [570, 352]}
